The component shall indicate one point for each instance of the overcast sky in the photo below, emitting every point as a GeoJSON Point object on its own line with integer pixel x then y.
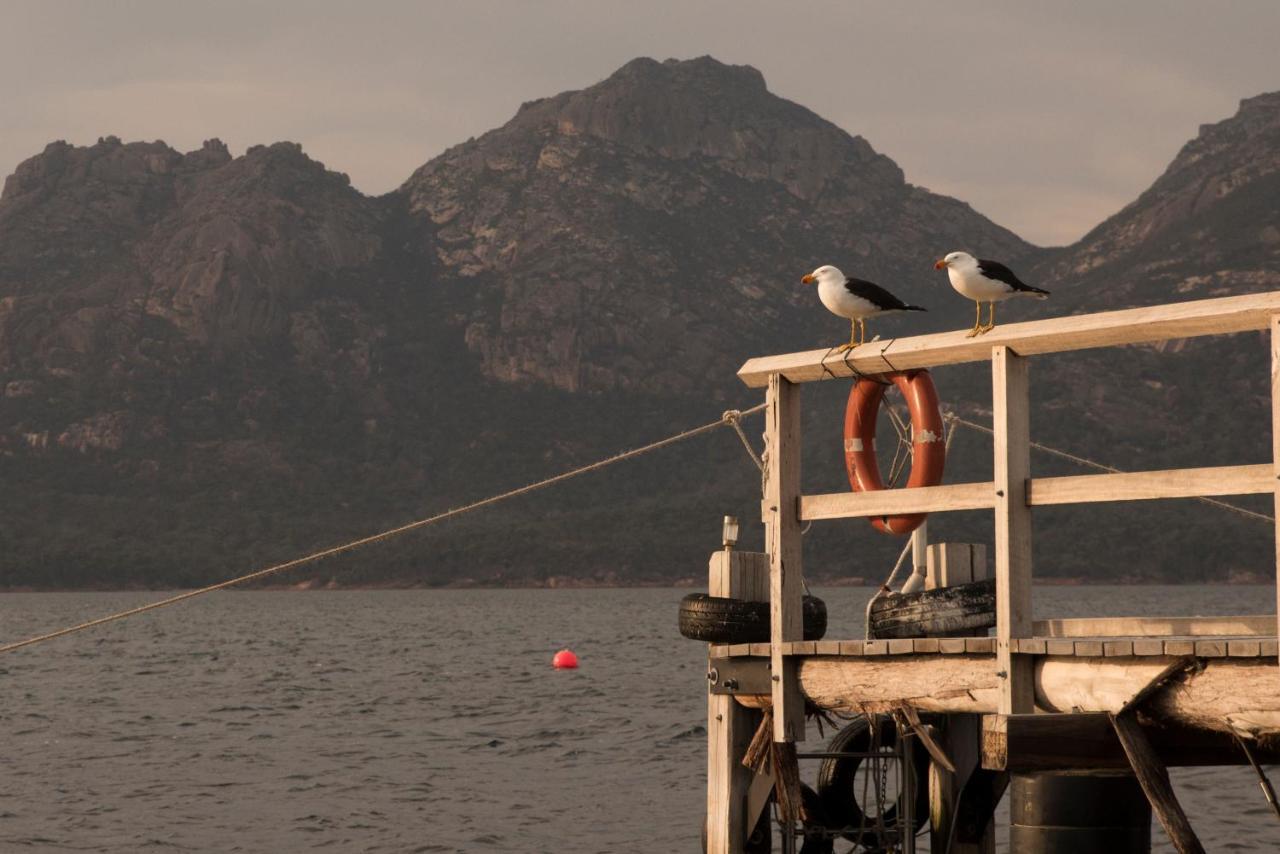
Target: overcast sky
{"type": "Point", "coordinates": [1045, 116]}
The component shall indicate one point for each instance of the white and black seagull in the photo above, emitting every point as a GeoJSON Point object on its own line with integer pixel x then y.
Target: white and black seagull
{"type": "Point", "coordinates": [985, 281]}
{"type": "Point", "coordinates": [856, 299]}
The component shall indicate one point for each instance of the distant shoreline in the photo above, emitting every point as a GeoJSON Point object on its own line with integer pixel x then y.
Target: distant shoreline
{"type": "Point", "coordinates": [564, 583]}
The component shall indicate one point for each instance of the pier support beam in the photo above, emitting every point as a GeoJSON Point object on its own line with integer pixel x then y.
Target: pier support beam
{"type": "Point", "coordinates": [738, 575]}
{"type": "Point", "coordinates": [782, 523]}
{"type": "Point", "coordinates": [1011, 421]}
{"type": "Point", "coordinates": [961, 741]}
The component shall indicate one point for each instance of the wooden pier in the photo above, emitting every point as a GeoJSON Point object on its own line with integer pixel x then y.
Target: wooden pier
{"type": "Point", "coordinates": [1093, 693]}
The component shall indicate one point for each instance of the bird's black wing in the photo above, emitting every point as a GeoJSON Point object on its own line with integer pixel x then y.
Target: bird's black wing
{"type": "Point", "coordinates": [1001, 273]}
{"type": "Point", "coordinates": [873, 293]}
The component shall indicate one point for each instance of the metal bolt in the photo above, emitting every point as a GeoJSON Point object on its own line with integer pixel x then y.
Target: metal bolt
{"type": "Point", "coordinates": [713, 675]}
{"type": "Point", "coordinates": [731, 684]}
{"type": "Point", "coordinates": [1002, 674]}
{"type": "Point", "coordinates": [776, 678]}
{"type": "Point", "coordinates": [1000, 492]}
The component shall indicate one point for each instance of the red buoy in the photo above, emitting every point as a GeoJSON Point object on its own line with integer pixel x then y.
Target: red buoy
{"type": "Point", "coordinates": [564, 660]}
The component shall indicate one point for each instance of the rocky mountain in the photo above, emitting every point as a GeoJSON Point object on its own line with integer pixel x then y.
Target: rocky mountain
{"type": "Point", "coordinates": [210, 362]}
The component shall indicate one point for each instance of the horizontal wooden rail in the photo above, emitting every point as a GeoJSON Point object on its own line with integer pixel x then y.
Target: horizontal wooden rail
{"type": "Point", "coordinates": [1144, 485]}
{"type": "Point", "coordinates": [891, 502]}
{"type": "Point", "coordinates": [1053, 335]}
{"type": "Point", "coordinates": [1044, 491]}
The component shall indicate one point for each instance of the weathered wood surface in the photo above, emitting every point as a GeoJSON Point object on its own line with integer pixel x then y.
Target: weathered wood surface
{"type": "Point", "coordinates": [1011, 424]}
{"type": "Point", "coordinates": [1153, 776]}
{"type": "Point", "coordinates": [1049, 742]}
{"type": "Point", "coordinates": [1214, 647]}
{"type": "Point", "coordinates": [1275, 444]}
{"type": "Point", "coordinates": [891, 502]}
{"type": "Point", "coordinates": [1229, 694]}
{"type": "Point", "coordinates": [738, 575]}
{"type": "Point", "coordinates": [1226, 315]}
{"type": "Point", "coordinates": [1147, 485]}
{"type": "Point", "coordinates": [961, 740]}
{"type": "Point", "coordinates": [781, 498]}
{"type": "Point", "coordinates": [939, 611]}
{"type": "Point", "coordinates": [951, 564]}
{"type": "Point", "coordinates": [1119, 627]}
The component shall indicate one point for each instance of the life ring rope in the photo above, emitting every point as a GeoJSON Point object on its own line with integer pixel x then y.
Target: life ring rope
{"type": "Point", "coordinates": [928, 439]}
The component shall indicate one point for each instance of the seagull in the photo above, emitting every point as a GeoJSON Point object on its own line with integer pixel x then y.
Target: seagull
{"type": "Point", "coordinates": [856, 299]}
{"type": "Point", "coordinates": [985, 281]}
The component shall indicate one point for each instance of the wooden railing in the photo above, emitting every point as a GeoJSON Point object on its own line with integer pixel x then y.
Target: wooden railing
{"type": "Point", "coordinates": [1012, 492]}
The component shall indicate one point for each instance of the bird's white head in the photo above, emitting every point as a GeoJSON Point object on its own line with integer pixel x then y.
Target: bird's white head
{"type": "Point", "coordinates": [823, 273]}
{"type": "Point", "coordinates": [956, 260]}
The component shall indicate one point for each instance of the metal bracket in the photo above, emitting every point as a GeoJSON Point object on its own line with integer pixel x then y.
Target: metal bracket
{"type": "Point", "coordinates": [739, 676]}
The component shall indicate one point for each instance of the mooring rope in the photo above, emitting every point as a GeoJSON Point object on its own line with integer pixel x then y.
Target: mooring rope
{"type": "Point", "coordinates": [729, 418]}
{"type": "Point", "coordinates": [1093, 464]}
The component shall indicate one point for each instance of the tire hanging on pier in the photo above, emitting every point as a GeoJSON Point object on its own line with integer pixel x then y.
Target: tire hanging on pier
{"type": "Point", "coordinates": [839, 788]}
{"type": "Point", "coordinates": [719, 619]}
{"type": "Point", "coordinates": [928, 448]}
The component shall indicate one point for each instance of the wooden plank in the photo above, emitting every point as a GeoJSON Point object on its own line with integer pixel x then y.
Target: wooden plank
{"type": "Point", "coordinates": [952, 564]}
{"type": "Point", "coordinates": [739, 649]}
{"type": "Point", "coordinates": [1226, 315]}
{"type": "Point", "coordinates": [852, 648]}
{"type": "Point", "coordinates": [1060, 647]}
{"type": "Point", "coordinates": [1244, 648]}
{"type": "Point", "coordinates": [875, 647]}
{"type": "Point", "coordinates": [951, 646]}
{"type": "Point", "coordinates": [1179, 647]}
{"type": "Point", "coordinates": [1211, 648]}
{"type": "Point", "coordinates": [761, 649]}
{"type": "Point", "coordinates": [1148, 646]}
{"type": "Point", "coordinates": [1275, 446]}
{"type": "Point", "coordinates": [1146, 485]}
{"type": "Point", "coordinates": [730, 726]}
{"type": "Point", "coordinates": [1270, 649]}
{"type": "Point", "coordinates": [1011, 418]}
{"type": "Point", "coordinates": [827, 647]}
{"type": "Point", "coordinates": [980, 646]}
{"type": "Point", "coordinates": [1088, 648]}
{"type": "Point", "coordinates": [1032, 646]}
{"type": "Point", "coordinates": [890, 502]}
{"type": "Point", "coordinates": [1117, 648]}
{"type": "Point", "coordinates": [1153, 776]}
{"type": "Point", "coordinates": [1131, 627]}
{"type": "Point", "coordinates": [901, 646]}
{"type": "Point", "coordinates": [1053, 742]}
{"type": "Point", "coordinates": [781, 494]}
{"type": "Point", "coordinates": [925, 646]}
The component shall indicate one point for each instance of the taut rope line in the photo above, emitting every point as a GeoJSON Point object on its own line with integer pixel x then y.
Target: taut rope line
{"type": "Point", "coordinates": [731, 418]}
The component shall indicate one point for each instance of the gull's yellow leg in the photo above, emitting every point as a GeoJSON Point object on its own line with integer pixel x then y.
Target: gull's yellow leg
{"type": "Point", "coordinates": [862, 332]}
{"type": "Point", "coordinates": [977, 320]}
{"type": "Point", "coordinates": [853, 331]}
{"type": "Point", "coordinates": [991, 321]}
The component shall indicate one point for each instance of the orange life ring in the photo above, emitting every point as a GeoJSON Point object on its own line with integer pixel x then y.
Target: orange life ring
{"type": "Point", "coordinates": [928, 450]}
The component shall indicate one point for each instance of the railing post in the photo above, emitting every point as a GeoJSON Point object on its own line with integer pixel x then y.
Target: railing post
{"type": "Point", "coordinates": [1275, 443]}
{"type": "Point", "coordinates": [782, 521]}
{"type": "Point", "coordinates": [1012, 424]}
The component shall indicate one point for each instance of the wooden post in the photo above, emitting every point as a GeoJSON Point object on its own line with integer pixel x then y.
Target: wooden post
{"type": "Point", "coordinates": [782, 520]}
{"type": "Point", "coordinates": [1012, 424]}
{"type": "Point", "coordinates": [1275, 443]}
{"type": "Point", "coordinates": [1154, 779]}
{"type": "Point", "coordinates": [739, 575]}
{"type": "Point", "coordinates": [962, 743]}
{"type": "Point", "coordinates": [950, 564]}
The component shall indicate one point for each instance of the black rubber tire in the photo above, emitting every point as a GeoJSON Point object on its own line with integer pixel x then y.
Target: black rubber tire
{"type": "Point", "coordinates": [965, 609]}
{"type": "Point", "coordinates": [816, 840]}
{"type": "Point", "coordinates": [837, 778]}
{"type": "Point", "coordinates": [716, 619]}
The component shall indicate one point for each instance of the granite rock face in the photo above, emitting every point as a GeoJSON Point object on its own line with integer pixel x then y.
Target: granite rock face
{"type": "Point", "coordinates": [208, 360]}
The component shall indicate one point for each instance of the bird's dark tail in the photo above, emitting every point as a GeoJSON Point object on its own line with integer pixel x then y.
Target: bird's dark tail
{"type": "Point", "coordinates": [914, 308]}
{"type": "Point", "coordinates": [1033, 291]}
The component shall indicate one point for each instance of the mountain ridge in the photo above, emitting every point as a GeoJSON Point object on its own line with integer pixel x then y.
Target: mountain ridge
{"type": "Point", "coordinates": [208, 360]}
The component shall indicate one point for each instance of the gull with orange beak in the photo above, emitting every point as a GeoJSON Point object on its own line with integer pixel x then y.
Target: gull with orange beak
{"type": "Point", "coordinates": [856, 299]}
{"type": "Point", "coordinates": [985, 281]}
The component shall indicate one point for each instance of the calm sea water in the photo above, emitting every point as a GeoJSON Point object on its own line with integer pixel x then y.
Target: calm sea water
{"type": "Point", "coordinates": [416, 721]}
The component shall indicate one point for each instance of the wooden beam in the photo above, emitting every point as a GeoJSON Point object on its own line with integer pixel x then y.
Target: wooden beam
{"type": "Point", "coordinates": [1252, 312]}
{"type": "Point", "coordinates": [1145, 485]}
{"type": "Point", "coordinates": [891, 502]}
{"type": "Point", "coordinates": [1054, 742]}
{"type": "Point", "coordinates": [1263, 625]}
{"type": "Point", "coordinates": [781, 505]}
{"type": "Point", "coordinates": [1011, 417]}
{"type": "Point", "coordinates": [1275, 446]}
{"type": "Point", "coordinates": [1153, 776]}
{"type": "Point", "coordinates": [730, 726]}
